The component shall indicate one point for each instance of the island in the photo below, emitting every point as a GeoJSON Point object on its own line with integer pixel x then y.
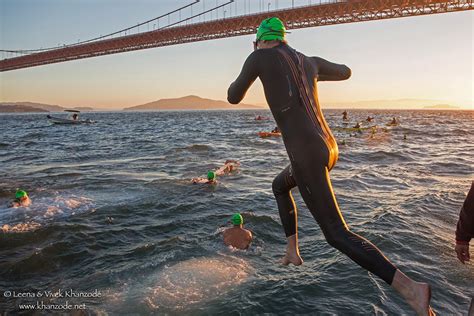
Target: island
{"type": "Point", "coordinates": [29, 107]}
{"type": "Point", "coordinates": [12, 108]}
{"type": "Point", "coordinates": [442, 107]}
{"type": "Point", "coordinates": [32, 107]}
{"type": "Point", "coordinates": [190, 102]}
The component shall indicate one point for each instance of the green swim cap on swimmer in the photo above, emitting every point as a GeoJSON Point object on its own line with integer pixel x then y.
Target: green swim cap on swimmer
{"type": "Point", "coordinates": [237, 219]}
{"type": "Point", "coordinates": [271, 29]}
{"type": "Point", "coordinates": [211, 175]}
{"type": "Point", "coordinates": [20, 194]}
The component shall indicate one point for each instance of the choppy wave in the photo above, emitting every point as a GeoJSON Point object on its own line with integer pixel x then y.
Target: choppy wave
{"type": "Point", "coordinates": [113, 210]}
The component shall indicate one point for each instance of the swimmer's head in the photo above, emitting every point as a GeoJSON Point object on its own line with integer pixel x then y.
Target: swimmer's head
{"type": "Point", "coordinates": [20, 194]}
{"type": "Point", "coordinates": [211, 176]}
{"type": "Point", "coordinates": [271, 29]}
{"type": "Point", "coordinates": [237, 219]}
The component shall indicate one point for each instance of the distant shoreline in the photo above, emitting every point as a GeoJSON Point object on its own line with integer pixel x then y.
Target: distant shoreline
{"type": "Point", "coordinates": [253, 110]}
{"type": "Point", "coordinates": [196, 103]}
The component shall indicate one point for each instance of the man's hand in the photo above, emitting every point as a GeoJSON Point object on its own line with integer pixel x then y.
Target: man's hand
{"type": "Point", "coordinates": [462, 252]}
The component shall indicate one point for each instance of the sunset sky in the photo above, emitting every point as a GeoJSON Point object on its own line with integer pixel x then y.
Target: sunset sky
{"type": "Point", "coordinates": [429, 57]}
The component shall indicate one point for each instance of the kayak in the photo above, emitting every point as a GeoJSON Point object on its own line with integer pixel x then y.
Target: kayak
{"type": "Point", "coordinates": [354, 129]}
{"type": "Point", "coordinates": [267, 134]}
{"type": "Point", "coordinates": [59, 120]}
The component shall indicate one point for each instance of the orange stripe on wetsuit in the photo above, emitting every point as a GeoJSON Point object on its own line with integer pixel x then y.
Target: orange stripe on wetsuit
{"type": "Point", "coordinates": [313, 110]}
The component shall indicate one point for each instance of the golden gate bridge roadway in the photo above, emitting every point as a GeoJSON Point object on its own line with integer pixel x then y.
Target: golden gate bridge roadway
{"type": "Point", "coordinates": [325, 13]}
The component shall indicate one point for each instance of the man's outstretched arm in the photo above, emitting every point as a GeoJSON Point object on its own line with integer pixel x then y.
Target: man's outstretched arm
{"type": "Point", "coordinates": [328, 71]}
{"type": "Point", "coordinates": [247, 76]}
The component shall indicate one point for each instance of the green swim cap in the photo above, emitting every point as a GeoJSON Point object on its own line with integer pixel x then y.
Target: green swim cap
{"type": "Point", "coordinates": [211, 175]}
{"type": "Point", "coordinates": [20, 194]}
{"type": "Point", "coordinates": [237, 219]}
{"type": "Point", "coordinates": [271, 29]}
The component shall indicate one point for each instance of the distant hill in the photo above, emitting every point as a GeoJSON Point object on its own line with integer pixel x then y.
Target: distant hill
{"type": "Point", "coordinates": [37, 107]}
{"type": "Point", "coordinates": [15, 108]}
{"type": "Point", "coordinates": [390, 104]}
{"type": "Point", "coordinates": [191, 102]}
{"type": "Point", "coordinates": [442, 107]}
{"type": "Point", "coordinates": [83, 108]}
{"type": "Point", "coordinates": [46, 107]}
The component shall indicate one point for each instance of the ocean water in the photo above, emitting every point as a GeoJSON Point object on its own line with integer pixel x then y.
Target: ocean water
{"type": "Point", "coordinates": [115, 217]}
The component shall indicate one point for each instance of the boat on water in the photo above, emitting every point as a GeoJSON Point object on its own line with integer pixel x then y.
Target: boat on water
{"type": "Point", "coordinates": [72, 118]}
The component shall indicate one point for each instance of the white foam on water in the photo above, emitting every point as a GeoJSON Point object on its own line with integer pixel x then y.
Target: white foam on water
{"type": "Point", "coordinates": [196, 281]}
{"type": "Point", "coordinates": [43, 210]}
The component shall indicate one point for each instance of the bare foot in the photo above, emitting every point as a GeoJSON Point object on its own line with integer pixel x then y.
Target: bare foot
{"type": "Point", "coordinates": [416, 294]}
{"type": "Point", "coordinates": [420, 299]}
{"type": "Point", "coordinates": [292, 258]}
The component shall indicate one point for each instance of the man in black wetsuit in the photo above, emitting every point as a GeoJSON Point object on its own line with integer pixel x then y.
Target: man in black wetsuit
{"type": "Point", "coordinates": [289, 80]}
{"type": "Point", "coordinates": [465, 227]}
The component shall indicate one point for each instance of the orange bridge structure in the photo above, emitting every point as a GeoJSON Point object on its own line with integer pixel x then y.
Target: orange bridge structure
{"type": "Point", "coordinates": [329, 13]}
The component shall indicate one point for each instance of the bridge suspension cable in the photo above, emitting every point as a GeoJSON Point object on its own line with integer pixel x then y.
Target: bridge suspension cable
{"type": "Point", "coordinates": [29, 51]}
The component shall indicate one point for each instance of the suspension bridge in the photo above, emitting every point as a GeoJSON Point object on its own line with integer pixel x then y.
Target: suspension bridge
{"type": "Point", "coordinates": [199, 21]}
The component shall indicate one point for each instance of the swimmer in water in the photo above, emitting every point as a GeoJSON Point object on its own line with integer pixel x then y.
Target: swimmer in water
{"type": "Point", "coordinates": [369, 118]}
{"type": "Point", "coordinates": [211, 179]}
{"type": "Point", "coordinates": [290, 79]}
{"type": "Point", "coordinates": [344, 116]}
{"type": "Point", "coordinates": [373, 130]}
{"type": "Point", "coordinates": [237, 236]}
{"type": "Point", "coordinates": [228, 167]}
{"type": "Point", "coordinates": [357, 125]}
{"type": "Point", "coordinates": [276, 130]}
{"type": "Point", "coordinates": [21, 199]}
{"type": "Point", "coordinates": [393, 121]}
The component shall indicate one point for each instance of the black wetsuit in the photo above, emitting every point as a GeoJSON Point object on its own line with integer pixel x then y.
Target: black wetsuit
{"type": "Point", "coordinates": [289, 80]}
{"type": "Point", "coordinates": [465, 227]}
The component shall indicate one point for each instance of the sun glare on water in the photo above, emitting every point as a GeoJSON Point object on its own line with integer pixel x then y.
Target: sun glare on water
{"type": "Point", "coordinates": [196, 281]}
